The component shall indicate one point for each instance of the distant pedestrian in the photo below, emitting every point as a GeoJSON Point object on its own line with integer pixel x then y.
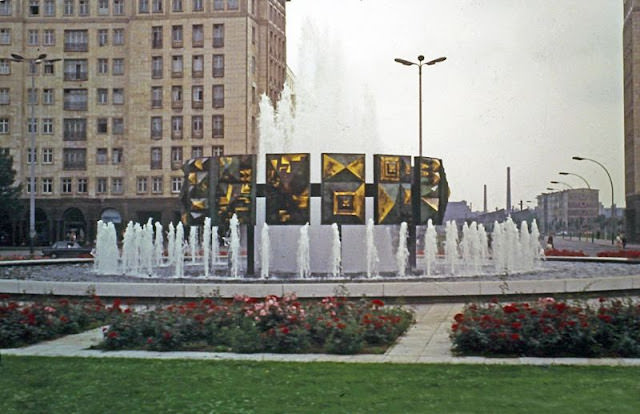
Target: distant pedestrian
{"type": "Point", "coordinates": [619, 241]}
{"type": "Point", "coordinates": [623, 239]}
{"type": "Point", "coordinates": [550, 242]}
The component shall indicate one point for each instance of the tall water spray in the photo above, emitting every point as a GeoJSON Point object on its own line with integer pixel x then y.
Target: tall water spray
{"type": "Point", "coordinates": [206, 245]}
{"type": "Point", "coordinates": [129, 259]}
{"type": "Point", "coordinates": [336, 251]}
{"type": "Point", "coordinates": [106, 253]}
{"type": "Point", "coordinates": [402, 254]}
{"type": "Point", "coordinates": [193, 243]}
{"type": "Point", "coordinates": [215, 248]}
{"type": "Point", "coordinates": [265, 252]}
{"type": "Point", "coordinates": [171, 245]}
{"type": "Point", "coordinates": [158, 245]}
{"type": "Point", "coordinates": [178, 253]}
{"type": "Point", "coordinates": [451, 246]}
{"type": "Point", "coordinates": [430, 247]}
{"type": "Point", "coordinates": [304, 260]}
{"type": "Point", "coordinates": [234, 246]}
{"type": "Point", "coordinates": [372, 251]}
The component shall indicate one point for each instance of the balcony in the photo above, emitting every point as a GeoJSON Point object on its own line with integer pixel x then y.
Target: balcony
{"type": "Point", "coordinates": [197, 104]}
{"type": "Point", "coordinates": [156, 73]}
{"type": "Point", "coordinates": [75, 135]}
{"type": "Point", "coordinates": [176, 134]}
{"type": "Point", "coordinates": [75, 106]}
{"type": "Point", "coordinates": [76, 47]}
{"type": "Point", "coordinates": [176, 105]}
{"type": "Point", "coordinates": [197, 73]}
{"type": "Point", "coordinates": [156, 103]}
{"type": "Point", "coordinates": [218, 102]}
{"type": "Point", "coordinates": [218, 72]}
{"type": "Point", "coordinates": [76, 76]}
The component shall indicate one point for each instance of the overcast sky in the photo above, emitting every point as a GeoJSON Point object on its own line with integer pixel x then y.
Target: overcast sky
{"type": "Point", "coordinates": [526, 84]}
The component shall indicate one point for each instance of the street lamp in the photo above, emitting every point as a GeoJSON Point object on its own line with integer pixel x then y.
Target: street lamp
{"type": "Point", "coordinates": [613, 209]}
{"type": "Point", "coordinates": [32, 146]}
{"type": "Point", "coordinates": [579, 176]}
{"type": "Point", "coordinates": [561, 182]}
{"type": "Point", "coordinates": [419, 65]}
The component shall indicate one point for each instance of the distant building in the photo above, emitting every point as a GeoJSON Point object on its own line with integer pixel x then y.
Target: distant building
{"type": "Point", "coordinates": [567, 210]}
{"type": "Point", "coordinates": [459, 211]}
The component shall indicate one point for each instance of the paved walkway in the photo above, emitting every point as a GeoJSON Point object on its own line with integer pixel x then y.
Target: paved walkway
{"type": "Point", "coordinates": [426, 342]}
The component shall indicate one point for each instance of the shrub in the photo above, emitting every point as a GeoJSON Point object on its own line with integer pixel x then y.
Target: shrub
{"type": "Point", "coordinates": [548, 328]}
{"type": "Point", "coordinates": [630, 254]}
{"type": "Point", "coordinates": [564, 252]}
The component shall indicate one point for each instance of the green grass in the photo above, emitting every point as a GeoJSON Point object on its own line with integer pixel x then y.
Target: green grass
{"type": "Point", "coordinates": [110, 385]}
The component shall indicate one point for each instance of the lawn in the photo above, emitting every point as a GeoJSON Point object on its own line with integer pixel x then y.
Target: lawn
{"type": "Point", "coordinates": [79, 385]}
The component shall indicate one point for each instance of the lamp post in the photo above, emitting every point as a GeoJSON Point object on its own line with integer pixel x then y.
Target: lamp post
{"type": "Point", "coordinates": [579, 176]}
{"type": "Point", "coordinates": [419, 65]}
{"type": "Point", "coordinates": [561, 182]}
{"type": "Point", "coordinates": [32, 144]}
{"type": "Point", "coordinates": [613, 208]}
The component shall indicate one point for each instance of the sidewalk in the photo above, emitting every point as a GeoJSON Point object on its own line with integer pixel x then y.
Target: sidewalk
{"type": "Point", "coordinates": [426, 342]}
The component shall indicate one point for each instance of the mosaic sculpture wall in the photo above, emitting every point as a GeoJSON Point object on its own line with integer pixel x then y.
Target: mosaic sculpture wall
{"type": "Point", "coordinates": [343, 188]}
{"type": "Point", "coordinates": [287, 189]}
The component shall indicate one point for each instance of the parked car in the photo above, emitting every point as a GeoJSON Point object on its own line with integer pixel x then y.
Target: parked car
{"type": "Point", "coordinates": [66, 249]}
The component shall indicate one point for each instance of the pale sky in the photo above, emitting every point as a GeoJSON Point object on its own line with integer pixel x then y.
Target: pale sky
{"type": "Point", "coordinates": [526, 84]}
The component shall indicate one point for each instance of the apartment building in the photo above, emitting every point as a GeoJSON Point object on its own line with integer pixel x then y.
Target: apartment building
{"type": "Point", "coordinates": [141, 86]}
{"type": "Point", "coordinates": [570, 210]}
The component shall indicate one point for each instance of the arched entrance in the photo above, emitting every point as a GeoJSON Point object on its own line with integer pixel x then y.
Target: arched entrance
{"type": "Point", "coordinates": [74, 225]}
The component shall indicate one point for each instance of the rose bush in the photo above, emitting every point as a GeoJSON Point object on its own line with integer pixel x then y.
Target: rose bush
{"type": "Point", "coordinates": [548, 328]}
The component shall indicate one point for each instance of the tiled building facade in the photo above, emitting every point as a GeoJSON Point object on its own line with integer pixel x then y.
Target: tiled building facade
{"type": "Point", "coordinates": [142, 86]}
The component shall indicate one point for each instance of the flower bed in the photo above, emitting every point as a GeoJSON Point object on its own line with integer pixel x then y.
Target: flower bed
{"type": "Point", "coordinates": [564, 252]}
{"type": "Point", "coordinates": [27, 323]}
{"type": "Point", "coordinates": [630, 254]}
{"type": "Point", "coordinates": [272, 324]}
{"type": "Point", "coordinates": [549, 328]}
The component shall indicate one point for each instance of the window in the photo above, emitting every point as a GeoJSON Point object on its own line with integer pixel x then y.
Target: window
{"type": "Point", "coordinates": [5, 8]}
{"type": "Point", "coordinates": [118, 37]}
{"type": "Point", "coordinates": [176, 36]}
{"type": "Point", "coordinates": [118, 66]}
{"type": "Point", "coordinates": [83, 185]}
{"type": "Point", "coordinates": [102, 96]}
{"type": "Point", "coordinates": [176, 158]}
{"type": "Point", "coordinates": [176, 127]}
{"type": "Point", "coordinates": [197, 66]}
{"type": "Point", "coordinates": [156, 37]}
{"type": "Point", "coordinates": [218, 35]}
{"type": "Point", "coordinates": [4, 125]}
{"type": "Point", "coordinates": [217, 126]}
{"type": "Point", "coordinates": [176, 97]}
{"type": "Point", "coordinates": [74, 158]}
{"type": "Point", "coordinates": [196, 126]}
{"type": "Point", "coordinates": [197, 152]}
{"type": "Point", "coordinates": [68, 7]}
{"type": "Point", "coordinates": [101, 156]}
{"type": "Point", "coordinates": [217, 150]}
{"type": "Point", "coordinates": [32, 125]}
{"type": "Point", "coordinates": [49, 7]}
{"type": "Point", "coordinates": [156, 185]}
{"type": "Point", "coordinates": [232, 4]}
{"type": "Point", "coordinates": [76, 69]}
{"type": "Point", "coordinates": [5, 96]}
{"type": "Point", "coordinates": [48, 68]}
{"type": "Point", "coordinates": [47, 155]}
{"type": "Point", "coordinates": [156, 158]}
{"type": "Point", "coordinates": [176, 66]}
{"type": "Point", "coordinates": [197, 37]}
{"type": "Point", "coordinates": [83, 7]}
{"type": "Point", "coordinates": [117, 126]}
{"type": "Point", "coordinates": [141, 185]}
{"type": "Point", "coordinates": [66, 185]}
{"type": "Point", "coordinates": [117, 156]}
{"type": "Point", "coordinates": [118, 7]}
{"type": "Point", "coordinates": [5, 67]}
{"type": "Point", "coordinates": [218, 66]}
{"type": "Point", "coordinates": [218, 96]}
{"type": "Point", "coordinates": [143, 6]}
{"type": "Point", "coordinates": [75, 99]}
{"type": "Point", "coordinates": [176, 5]}
{"type": "Point", "coordinates": [101, 185]}
{"type": "Point", "coordinates": [156, 127]}
{"type": "Point", "coordinates": [118, 96]}
{"type": "Point", "coordinates": [157, 6]}
{"type": "Point", "coordinates": [48, 97]}
{"type": "Point", "coordinates": [103, 37]}
{"type": "Point", "coordinates": [29, 184]}
{"type": "Point", "coordinates": [218, 4]}
{"type": "Point", "coordinates": [32, 96]}
{"type": "Point", "coordinates": [75, 129]}
{"type": "Point", "coordinates": [197, 5]}
{"type": "Point", "coordinates": [76, 41]}
{"type": "Point", "coordinates": [34, 7]}
{"type": "Point", "coordinates": [103, 7]}
{"type": "Point", "coordinates": [32, 37]}
{"type": "Point", "coordinates": [197, 96]}
{"type": "Point", "coordinates": [253, 64]}
{"type": "Point", "coordinates": [176, 184]}
{"type": "Point", "coordinates": [156, 96]}
{"type": "Point", "coordinates": [47, 126]}
{"type": "Point", "coordinates": [156, 67]}
{"type": "Point", "coordinates": [253, 35]}
{"type": "Point", "coordinates": [32, 155]}
{"type": "Point", "coordinates": [48, 37]}
{"type": "Point", "coordinates": [47, 185]}
{"type": "Point", "coordinates": [116, 185]}
{"type": "Point", "coordinates": [102, 125]}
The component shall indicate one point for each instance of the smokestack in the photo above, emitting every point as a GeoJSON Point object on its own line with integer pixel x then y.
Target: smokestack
{"type": "Point", "coordinates": [484, 210]}
{"type": "Point", "coordinates": [508, 209]}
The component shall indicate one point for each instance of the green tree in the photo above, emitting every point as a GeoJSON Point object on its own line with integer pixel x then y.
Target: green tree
{"type": "Point", "coordinates": [9, 191]}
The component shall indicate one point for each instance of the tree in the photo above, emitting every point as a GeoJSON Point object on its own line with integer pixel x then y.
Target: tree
{"type": "Point", "coordinates": [9, 191]}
